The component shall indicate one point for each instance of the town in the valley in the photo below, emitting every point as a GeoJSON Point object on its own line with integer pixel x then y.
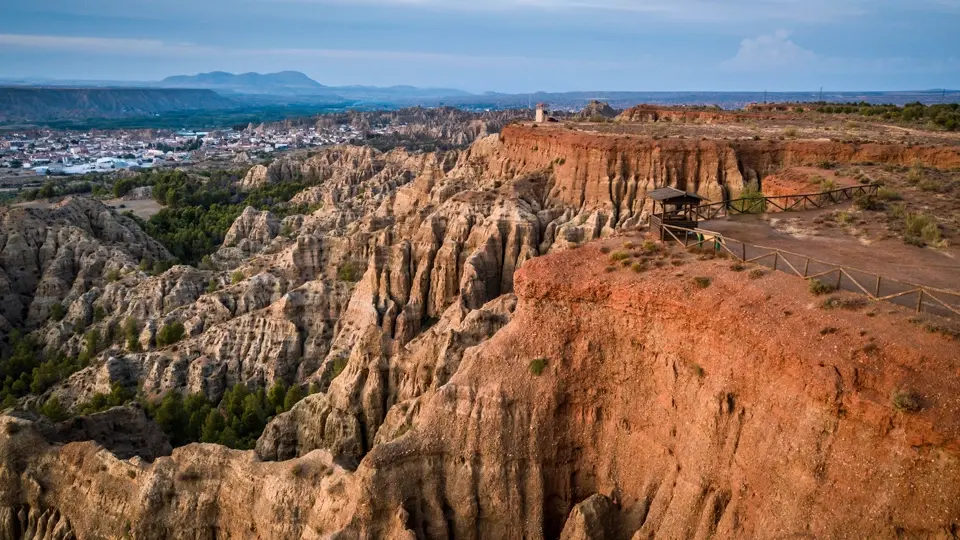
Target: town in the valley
{"type": "Point", "coordinates": [27, 154]}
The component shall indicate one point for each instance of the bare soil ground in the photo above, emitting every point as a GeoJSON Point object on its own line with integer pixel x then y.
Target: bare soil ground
{"type": "Point", "coordinates": [874, 240]}
{"type": "Point", "coordinates": [889, 257]}
{"type": "Point", "coordinates": [805, 126]}
{"type": "Point", "coordinates": [143, 209]}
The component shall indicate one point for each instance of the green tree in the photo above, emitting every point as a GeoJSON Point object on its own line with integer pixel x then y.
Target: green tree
{"type": "Point", "coordinates": [118, 395]}
{"type": "Point", "coordinates": [131, 332]}
{"type": "Point", "coordinates": [170, 333]}
{"type": "Point", "coordinates": [294, 395]}
{"type": "Point", "coordinates": [91, 347]}
{"type": "Point", "coordinates": [53, 410]}
{"type": "Point", "coordinates": [196, 407]}
{"type": "Point", "coordinates": [172, 418]}
{"type": "Point", "coordinates": [213, 426]}
{"type": "Point", "coordinates": [229, 438]}
{"type": "Point", "coordinates": [254, 417]}
{"type": "Point", "coordinates": [276, 396]}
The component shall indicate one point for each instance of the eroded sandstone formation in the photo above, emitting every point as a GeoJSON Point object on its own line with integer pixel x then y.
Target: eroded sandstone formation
{"type": "Point", "coordinates": [54, 255]}
{"type": "Point", "coordinates": [664, 411]}
{"type": "Point", "coordinates": [416, 292]}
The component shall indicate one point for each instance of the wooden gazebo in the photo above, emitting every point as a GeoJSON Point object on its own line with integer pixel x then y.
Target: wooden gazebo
{"type": "Point", "coordinates": [675, 207]}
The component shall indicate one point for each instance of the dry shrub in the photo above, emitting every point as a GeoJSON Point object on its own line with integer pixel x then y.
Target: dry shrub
{"type": "Point", "coordinates": [819, 288]}
{"type": "Point", "coordinates": [538, 366]}
{"type": "Point", "coordinates": [851, 304]}
{"type": "Point", "coordinates": [906, 401]}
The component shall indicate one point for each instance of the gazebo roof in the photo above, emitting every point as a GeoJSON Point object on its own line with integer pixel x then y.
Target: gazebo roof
{"type": "Point", "coordinates": [669, 193]}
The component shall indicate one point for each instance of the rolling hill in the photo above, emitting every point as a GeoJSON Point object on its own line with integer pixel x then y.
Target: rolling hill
{"type": "Point", "coordinates": [33, 104]}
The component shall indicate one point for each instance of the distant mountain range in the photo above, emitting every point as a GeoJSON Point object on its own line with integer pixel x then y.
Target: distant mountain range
{"type": "Point", "coordinates": [282, 83]}
{"type": "Point", "coordinates": [294, 83]}
{"type": "Point", "coordinates": [265, 88]}
{"type": "Point", "coordinates": [291, 93]}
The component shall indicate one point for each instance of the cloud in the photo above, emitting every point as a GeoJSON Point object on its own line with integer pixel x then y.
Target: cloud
{"type": "Point", "coordinates": [687, 10]}
{"type": "Point", "coordinates": [771, 52]}
{"type": "Point", "coordinates": [152, 48]}
{"type": "Point", "coordinates": [137, 47]}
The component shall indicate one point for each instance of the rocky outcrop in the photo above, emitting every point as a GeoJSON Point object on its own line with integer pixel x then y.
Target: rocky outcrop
{"type": "Point", "coordinates": [597, 109]}
{"type": "Point", "coordinates": [124, 431]}
{"type": "Point", "coordinates": [421, 232]}
{"type": "Point", "coordinates": [448, 125]}
{"type": "Point", "coordinates": [80, 490]}
{"type": "Point", "coordinates": [346, 419]}
{"type": "Point", "coordinates": [27, 522]}
{"type": "Point", "coordinates": [593, 519]}
{"type": "Point", "coordinates": [249, 332]}
{"type": "Point", "coordinates": [607, 175]}
{"type": "Point", "coordinates": [252, 231]}
{"type": "Point", "coordinates": [661, 410]}
{"type": "Point", "coordinates": [702, 115]}
{"type": "Point", "coordinates": [141, 193]}
{"type": "Point", "coordinates": [257, 177]}
{"type": "Point", "coordinates": [610, 175]}
{"type": "Point", "coordinates": [691, 444]}
{"type": "Point", "coordinates": [56, 255]}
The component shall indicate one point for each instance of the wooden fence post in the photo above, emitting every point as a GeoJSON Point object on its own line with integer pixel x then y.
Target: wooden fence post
{"type": "Point", "coordinates": [877, 294]}
{"type": "Point", "coordinates": [776, 258]}
{"type": "Point", "coordinates": [744, 246]}
{"type": "Point", "coordinates": [839, 277]}
{"type": "Point", "coordinates": [806, 267]}
{"type": "Point", "coordinates": [920, 301]}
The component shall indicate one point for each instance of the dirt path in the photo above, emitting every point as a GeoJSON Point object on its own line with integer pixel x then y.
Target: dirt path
{"type": "Point", "coordinates": [889, 257]}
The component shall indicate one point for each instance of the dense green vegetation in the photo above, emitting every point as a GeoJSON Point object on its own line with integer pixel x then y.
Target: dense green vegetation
{"type": "Point", "coordinates": [23, 370]}
{"type": "Point", "coordinates": [237, 421]}
{"type": "Point", "coordinates": [59, 186]}
{"type": "Point", "coordinates": [200, 209]}
{"type": "Point", "coordinates": [751, 200]}
{"type": "Point", "coordinates": [944, 116]}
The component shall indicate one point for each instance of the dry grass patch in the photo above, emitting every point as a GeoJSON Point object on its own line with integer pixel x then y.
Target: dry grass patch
{"type": "Point", "coordinates": [618, 256]}
{"type": "Point", "coordinates": [838, 302]}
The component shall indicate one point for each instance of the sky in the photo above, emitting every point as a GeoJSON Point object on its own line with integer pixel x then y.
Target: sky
{"type": "Point", "coordinates": [515, 46]}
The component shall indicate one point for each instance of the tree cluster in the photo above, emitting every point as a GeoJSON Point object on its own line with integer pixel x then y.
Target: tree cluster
{"type": "Point", "coordinates": [237, 421]}
{"type": "Point", "coordinates": [944, 116]}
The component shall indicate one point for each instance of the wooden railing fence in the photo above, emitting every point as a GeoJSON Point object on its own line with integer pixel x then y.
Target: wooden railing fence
{"type": "Point", "coordinates": [784, 203]}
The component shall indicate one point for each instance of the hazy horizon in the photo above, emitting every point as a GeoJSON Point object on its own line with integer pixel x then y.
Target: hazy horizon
{"type": "Point", "coordinates": [39, 80]}
{"type": "Point", "coordinates": [508, 46]}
